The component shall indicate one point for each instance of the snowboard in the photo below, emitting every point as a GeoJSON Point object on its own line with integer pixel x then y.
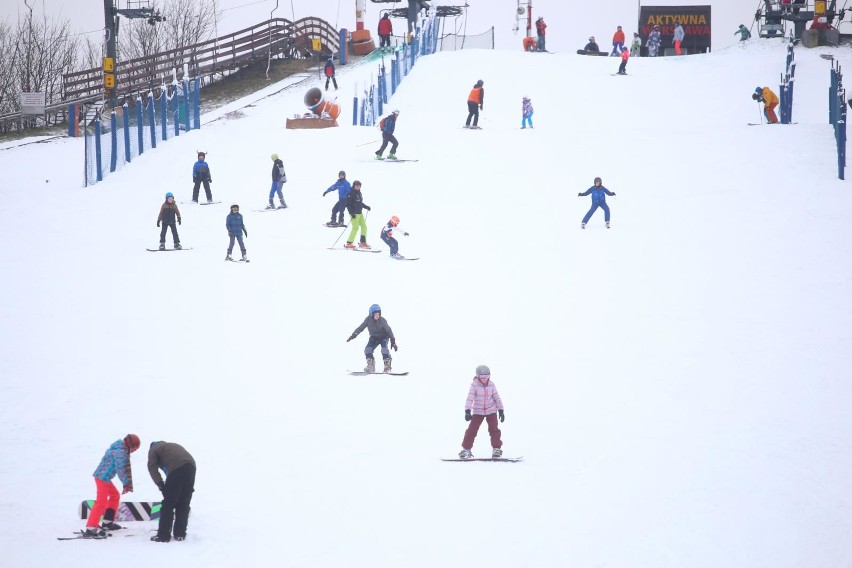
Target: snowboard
{"type": "Point", "coordinates": [335, 226]}
{"type": "Point", "coordinates": [169, 250]}
{"type": "Point", "coordinates": [364, 373]}
{"type": "Point", "coordinates": [512, 460]}
{"type": "Point", "coordinates": [406, 258]}
{"type": "Point", "coordinates": [388, 160]}
{"type": "Point", "coordinates": [127, 510]}
{"type": "Point", "coordinates": [237, 260]}
{"type": "Point", "coordinates": [199, 203]}
{"type": "Point", "coordinates": [355, 249]}
{"type": "Point", "coordinates": [267, 209]}
{"type": "Point", "coordinates": [584, 52]}
{"type": "Point", "coordinates": [767, 123]}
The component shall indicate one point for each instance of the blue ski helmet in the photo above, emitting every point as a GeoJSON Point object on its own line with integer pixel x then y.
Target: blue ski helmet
{"type": "Point", "coordinates": [375, 308]}
{"type": "Point", "coordinates": [169, 194]}
{"type": "Point", "coordinates": [759, 90]}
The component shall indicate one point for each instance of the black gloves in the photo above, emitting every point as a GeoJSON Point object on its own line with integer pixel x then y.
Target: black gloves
{"type": "Point", "coordinates": [324, 193]}
{"type": "Point", "coordinates": [351, 337]}
{"type": "Point", "coordinates": [404, 233]}
{"type": "Point", "coordinates": [195, 180]}
{"type": "Point", "coordinates": [161, 486]}
{"type": "Point", "coordinates": [393, 344]}
{"type": "Point", "coordinates": [158, 222]}
{"type": "Point", "coordinates": [613, 193]}
{"type": "Point", "coordinates": [502, 416]}
{"type": "Point", "coordinates": [579, 195]}
{"type": "Point", "coordinates": [178, 221]}
{"type": "Point", "coordinates": [367, 207]}
{"type": "Point", "coordinates": [467, 415]}
{"type": "Point", "coordinates": [209, 180]}
{"type": "Point", "coordinates": [244, 231]}
{"type": "Point", "coordinates": [480, 107]}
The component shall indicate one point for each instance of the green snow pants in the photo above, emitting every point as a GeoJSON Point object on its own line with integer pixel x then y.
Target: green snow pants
{"type": "Point", "coordinates": [358, 222]}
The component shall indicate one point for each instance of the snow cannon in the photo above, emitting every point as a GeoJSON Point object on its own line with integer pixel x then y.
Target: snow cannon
{"type": "Point", "coordinates": [323, 113]}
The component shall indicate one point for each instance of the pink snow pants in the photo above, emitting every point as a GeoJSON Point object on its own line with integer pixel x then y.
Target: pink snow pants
{"type": "Point", "coordinates": [107, 498]}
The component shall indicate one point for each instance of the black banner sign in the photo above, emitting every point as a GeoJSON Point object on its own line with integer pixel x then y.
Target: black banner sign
{"type": "Point", "coordinates": [694, 19]}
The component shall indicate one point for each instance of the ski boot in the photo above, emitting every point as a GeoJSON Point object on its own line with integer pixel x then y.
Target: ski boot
{"type": "Point", "coordinates": [244, 258]}
{"type": "Point", "coordinates": [371, 365]}
{"type": "Point", "coordinates": [158, 538]}
{"type": "Point", "coordinates": [228, 256]}
{"type": "Point", "coordinates": [391, 156]}
{"type": "Point", "coordinates": [387, 365]}
{"type": "Point", "coordinates": [283, 205]}
{"type": "Point", "coordinates": [94, 532]}
{"type": "Point", "coordinates": [397, 256]}
{"type": "Point", "coordinates": [177, 246]}
{"type": "Point", "coordinates": [162, 246]}
{"type": "Point", "coordinates": [582, 225]}
{"type": "Point", "coordinates": [379, 157]}
{"type": "Point", "coordinates": [349, 245]}
{"type": "Point", "coordinates": [607, 224]}
{"type": "Point", "coordinates": [271, 205]}
{"type": "Point", "coordinates": [210, 200]}
{"type": "Point", "coordinates": [465, 454]}
{"type": "Point", "coordinates": [496, 453]}
{"type": "Point", "coordinates": [110, 526]}
{"type": "Point", "coordinates": [180, 538]}
{"type": "Point", "coordinates": [363, 244]}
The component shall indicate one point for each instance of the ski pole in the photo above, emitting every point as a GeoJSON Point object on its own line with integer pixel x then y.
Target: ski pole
{"type": "Point", "coordinates": [346, 226]}
{"type": "Point", "coordinates": [367, 143]}
{"type": "Point", "coordinates": [759, 113]}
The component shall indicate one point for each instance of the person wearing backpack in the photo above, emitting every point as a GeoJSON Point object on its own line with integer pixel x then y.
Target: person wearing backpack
{"type": "Point", "coordinates": [329, 73]}
{"type": "Point", "coordinates": [387, 126]}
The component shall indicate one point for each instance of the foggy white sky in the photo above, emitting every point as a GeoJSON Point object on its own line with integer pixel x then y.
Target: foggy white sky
{"type": "Point", "coordinates": [569, 23]}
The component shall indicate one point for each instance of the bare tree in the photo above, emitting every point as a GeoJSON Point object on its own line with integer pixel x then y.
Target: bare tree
{"type": "Point", "coordinates": [8, 84]}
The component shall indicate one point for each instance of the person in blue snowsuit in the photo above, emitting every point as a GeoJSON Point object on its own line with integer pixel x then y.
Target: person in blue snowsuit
{"type": "Point", "coordinates": [343, 188]}
{"type": "Point", "coordinates": [387, 136]}
{"type": "Point", "coordinates": [201, 175]}
{"type": "Point", "coordinates": [236, 229]}
{"type": "Point", "coordinates": [598, 193]}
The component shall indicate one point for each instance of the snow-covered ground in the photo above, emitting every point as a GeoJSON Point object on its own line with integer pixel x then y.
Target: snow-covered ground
{"type": "Point", "coordinates": [678, 384]}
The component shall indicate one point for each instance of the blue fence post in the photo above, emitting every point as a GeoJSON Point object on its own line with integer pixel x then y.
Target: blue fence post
{"type": "Point", "coordinates": [126, 121]}
{"type": "Point", "coordinates": [841, 145]}
{"type": "Point", "coordinates": [99, 174]}
{"type": "Point", "coordinates": [139, 127]}
{"type": "Point", "coordinates": [164, 115]}
{"type": "Point", "coordinates": [832, 95]}
{"type": "Point", "coordinates": [186, 105]}
{"type": "Point", "coordinates": [113, 141]}
{"type": "Point", "coordinates": [152, 122]}
{"type": "Point", "coordinates": [176, 120]}
{"type": "Point", "coordinates": [355, 108]}
{"type": "Point", "coordinates": [196, 102]}
{"type": "Point", "coordinates": [344, 33]}
{"type": "Point", "coordinates": [72, 119]}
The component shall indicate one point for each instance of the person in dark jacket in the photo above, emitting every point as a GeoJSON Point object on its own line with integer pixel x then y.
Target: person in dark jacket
{"type": "Point", "coordinates": [279, 178]}
{"type": "Point", "coordinates": [592, 46]}
{"type": "Point", "coordinates": [201, 174]}
{"type": "Point", "coordinates": [599, 193]}
{"type": "Point", "coordinates": [343, 188]}
{"type": "Point", "coordinates": [387, 136]}
{"type": "Point", "coordinates": [329, 73]}
{"type": "Point", "coordinates": [236, 229]}
{"type": "Point", "coordinates": [385, 31]}
{"type": "Point", "coordinates": [169, 213]}
{"type": "Point", "coordinates": [355, 205]}
{"type": "Point", "coordinates": [380, 332]}
{"type": "Point", "coordinates": [475, 102]}
{"type": "Point", "coordinates": [179, 467]}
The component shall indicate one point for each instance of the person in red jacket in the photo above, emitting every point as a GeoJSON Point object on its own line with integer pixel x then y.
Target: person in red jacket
{"type": "Point", "coordinates": [625, 55]}
{"type": "Point", "coordinates": [617, 42]}
{"type": "Point", "coordinates": [385, 31]}
{"type": "Point", "coordinates": [540, 30]}
{"type": "Point", "coordinates": [475, 100]}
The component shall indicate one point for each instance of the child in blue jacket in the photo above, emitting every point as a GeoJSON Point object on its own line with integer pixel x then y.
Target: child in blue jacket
{"type": "Point", "coordinates": [201, 175]}
{"type": "Point", "coordinates": [343, 188]}
{"type": "Point", "coordinates": [116, 461]}
{"type": "Point", "coordinates": [599, 193]}
{"type": "Point", "coordinates": [236, 229]}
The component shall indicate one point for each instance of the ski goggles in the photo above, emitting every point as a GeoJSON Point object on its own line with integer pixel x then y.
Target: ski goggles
{"type": "Point", "coordinates": [484, 377]}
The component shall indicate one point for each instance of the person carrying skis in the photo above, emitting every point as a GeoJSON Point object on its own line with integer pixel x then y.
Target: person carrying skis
{"type": "Point", "coordinates": [654, 41]}
{"type": "Point", "coordinates": [622, 68]}
{"type": "Point", "coordinates": [179, 467]}
{"type": "Point", "coordinates": [279, 178]}
{"type": "Point", "coordinates": [678, 37]}
{"type": "Point", "coordinates": [169, 212]}
{"type": "Point", "coordinates": [599, 193]}
{"type": "Point", "coordinates": [388, 125]}
{"type": "Point", "coordinates": [483, 403]}
{"type": "Point", "coordinates": [540, 30]}
{"type": "Point", "coordinates": [526, 112]}
{"type": "Point", "coordinates": [385, 31]}
{"type": "Point", "coordinates": [475, 101]}
{"type": "Point", "coordinates": [201, 175]}
{"type": "Point", "coordinates": [116, 461]}
{"type": "Point", "coordinates": [388, 238]}
{"type": "Point", "coordinates": [617, 42]}
{"type": "Point", "coordinates": [636, 46]}
{"type": "Point", "coordinates": [744, 33]}
{"type": "Point", "coordinates": [770, 100]}
{"type": "Point", "coordinates": [343, 188]}
{"type": "Point", "coordinates": [355, 205]}
{"type": "Point", "coordinates": [380, 333]}
{"type": "Point", "coordinates": [236, 229]}
{"type": "Point", "coordinates": [329, 73]}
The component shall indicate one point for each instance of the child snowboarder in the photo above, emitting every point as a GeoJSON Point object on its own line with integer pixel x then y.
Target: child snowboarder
{"type": "Point", "coordinates": [279, 178]}
{"type": "Point", "coordinates": [355, 205]}
{"type": "Point", "coordinates": [329, 73]}
{"type": "Point", "coordinates": [387, 237]}
{"type": "Point", "coordinates": [236, 229]}
{"type": "Point", "coordinates": [201, 174]}
{"type": "Point", "coordinates": [636, 46]}
{"type": "Point", "coordinates": [483, 403]}
{"type": "Point", "coordinates": [622, 68]}
{"type": "Point", "coordinates": [169, 212]}
{"type": "Point", "coordinates": [475, 101]}
{"type": "Point", "coordinates": [744, 33]}
{"type": "Point", "coordinates": [380, 333]}
{"type": "Point", "coordinates": [116, 461]}
{"type": "Point", "coordinates": [343, 188]}
{"type": "Point", "coordinates": [527, 112]}
{"type": "Point", "coordinates": [654, 41]}
{"type": "Point", "coordinates": [388, 125]}
{"type": "Point", "coordinates": [599, 193]}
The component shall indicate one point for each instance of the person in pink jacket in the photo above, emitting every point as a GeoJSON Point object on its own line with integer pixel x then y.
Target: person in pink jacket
{"type": "Point", "coordinates": [483, 403]}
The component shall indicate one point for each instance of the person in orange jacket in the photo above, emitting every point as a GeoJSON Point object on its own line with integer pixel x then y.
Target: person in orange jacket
{"type": "Point", "coordinates": [475, 100]}
{"type": "Point", "coordinates": [625, 55]}
{"type": "Point", "coordinates": [617, 42]}
{"type": "Point", "coordinates": [770, 101]}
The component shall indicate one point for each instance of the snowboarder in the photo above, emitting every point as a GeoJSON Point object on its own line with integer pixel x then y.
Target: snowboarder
{"type": "Point", "coordinates": [169, 212]}
{"type": "Point", "coordinates": [540, 30]}
{"type": "Point", "coordinates": [678, 37]}
{"type": "Point", "coordinates": [770, 100]}
{"type": "Point", "coordinates": [388, 125]}
{"type": "Point", "coordinates": [388, 238]}
{"type": "Point", "coordinates": [236, 229]}
{"type": "Point", "coordinates": [385, 31]}
{"type": "Point", "coordinates": [116, 461]}
{"type": "Point", "coordinates": [617, 42]}
{"type": "Point", "coordinates": [636, 46]}
{"type": "Point", "coordinates": [654, 41]}
{"type": "Point", "coordinates": [599, 193]}
{"type": "Point", "coordinates": [592, 46]}
{"type": "Point", "coordinates": [179, 467]}
{"type": "Point", "coordinates": [355, 205]}
{"type": "Point", "coordinates": [329, 73]}
{"type": "Point", "coordinates": [744, 33]}
{"type": "Point", "coordinates": [279, 178]}
{"type": "Point", "coordinates": [625, 55]}
{"type": "Point", "coordinates": [201, 174]}
{"type": "Point", "coordinates": [526, 112]}
{"type": "Point", "coordinates": [475, 101]}
{"type": "Point", "coordinates": [343, 188]}
{"type": "Point", "coordinates": [483, 403]}
{"type": "Point", "coordinates": [380, 333]}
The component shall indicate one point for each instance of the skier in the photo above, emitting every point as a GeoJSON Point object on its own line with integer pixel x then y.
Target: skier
{"type": "Point", "coordinates": [636, 46]}
{"type": "Point", "coordinates": [592, 46]}
{"type": "Point", "coordinates": [388, 125]}
{"type": "Point", "coordinates": [169, 212]}
{"type": "Point", "coordinates": [540, 30]}
{"type": "Point", "coordinates": [236, 229]}
{"type": "Point", "coordinates": [201, 174]}
{"type": "Point", "coordinates": [617, 42]}
{"type": "Point", "coordinates": [744, 33]}
{"type": "Point", "coordinates": [116, 461]}
{"type": "Point", "coordinates": [475, 100]}
{"type": "Point", "coordinates": [179, 467]}
{"type": "Point", "coordinates": [380, 333]}
{"type": "Point", "coordinates": [343, 188]}
{"type": "Point", "coordinates": [625, 55]}
{"type": "Point", "coordinates": [654, 41]}
{"type": "Point", "coordinates": [526, 112]}
{"type": "Point", "coordinates": [385, 31]}
{"type": "Point", "coordinates": [678, 37]}
{"type": "Point", "coordinates": [355, 205]}
{"type": "Point", "coordinates": [599, 193]}
{"type": "Point", "coordinates": [388, 238]}
{"type": "Point", "coordinates": [329, 73]}
{"type": "Point", "coordinates": [483, 403]}
{"type": "Point", "coordinates": [770, 100]}
{"type": "Point", "coordinates": [279, 178]}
